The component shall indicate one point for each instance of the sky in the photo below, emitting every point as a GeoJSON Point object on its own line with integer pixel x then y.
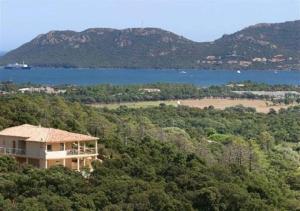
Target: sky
{"type": "Point", "coordinates": [199, 20]}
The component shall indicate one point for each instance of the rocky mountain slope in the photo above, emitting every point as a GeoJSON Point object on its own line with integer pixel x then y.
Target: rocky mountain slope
{"type": "Point", "coordinates": [262, 46]}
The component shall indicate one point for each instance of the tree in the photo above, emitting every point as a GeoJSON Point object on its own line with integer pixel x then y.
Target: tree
{"type": "Point", "coordinates": [30, 204]}
{"type": "Point", "coordinates": [207, 199]}
{"type": "Point", "coordinates": [266, 140]}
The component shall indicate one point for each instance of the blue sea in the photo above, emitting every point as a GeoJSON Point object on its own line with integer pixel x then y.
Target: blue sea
{"type": "Point", "coordinates": [59, 76]}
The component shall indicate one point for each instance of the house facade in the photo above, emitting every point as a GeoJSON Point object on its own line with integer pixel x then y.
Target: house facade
{"type": "Point", "coordinates": [45, 147]}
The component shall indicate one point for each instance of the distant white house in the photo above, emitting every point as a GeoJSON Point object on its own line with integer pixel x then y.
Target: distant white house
{"type": "Point", "coordinates": [47, 89]}
{"type": "Point", "coordinates": [3, 92]}
{"type": "Point", "coordinates": [150, 90]}
{"type": "Point", "coordinates": [235, 85]}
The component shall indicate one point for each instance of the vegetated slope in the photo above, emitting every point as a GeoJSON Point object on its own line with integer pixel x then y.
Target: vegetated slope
{"type": "Point", "coordinates": [162, 158]}
{"type": "Point", "coordinates": [263, 46]}
{"type": "Point", "coordinates": [147, 47]}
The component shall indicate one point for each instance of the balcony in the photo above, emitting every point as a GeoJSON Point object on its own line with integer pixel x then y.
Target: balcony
{"type": "Point", "coordinates": [69, 153]}
{"type": "Point", "coordinates": [81, 152]}
{"type": "Point", "coordinates": [12, 151]}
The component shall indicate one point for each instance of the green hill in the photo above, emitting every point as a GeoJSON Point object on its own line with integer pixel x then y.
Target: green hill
{"type": "Point", "coordinates": [263, 46]}
{"type": "Point", "coordinates": [159, 158]}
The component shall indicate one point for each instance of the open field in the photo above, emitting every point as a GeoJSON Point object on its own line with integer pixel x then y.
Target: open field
{"type": "Point", "coordinates": [260, 105]}
{"type": "Point", "coordinates": [141, 104]}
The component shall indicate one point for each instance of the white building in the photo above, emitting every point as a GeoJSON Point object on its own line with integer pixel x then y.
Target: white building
{"type": "Point", "coordinates": [46, 147]}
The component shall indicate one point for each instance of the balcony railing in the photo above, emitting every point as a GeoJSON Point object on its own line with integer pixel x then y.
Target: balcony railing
{"type": "Point", "coordinates": [49, 154]}
{"type": "Point", "coordinates": [12, 151]}
{"type": "Point", "coordinates": [81, 152]}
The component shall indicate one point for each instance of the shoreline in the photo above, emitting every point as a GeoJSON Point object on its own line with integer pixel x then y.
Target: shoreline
{"type": "Point", "coordinates": [158, 69]}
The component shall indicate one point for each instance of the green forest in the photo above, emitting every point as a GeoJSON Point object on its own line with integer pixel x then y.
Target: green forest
{"type": "Point", "coordinates": [107, 93]}
{"type": "Point", "coordinates": [111, 93]}
{"type": "Point", "coordinates": [159, 158]}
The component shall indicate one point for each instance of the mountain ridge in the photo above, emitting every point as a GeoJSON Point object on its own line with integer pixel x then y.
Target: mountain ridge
{"type": "Point", "coordinates": [261, 46]}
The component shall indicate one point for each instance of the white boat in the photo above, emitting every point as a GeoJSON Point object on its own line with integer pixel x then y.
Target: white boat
{"type": "Point", "coordinates": [183, 72]}
{"type": "Point", "coordinates": [238, 71]}
{"type": "Point", "coordinates": [17, 66]}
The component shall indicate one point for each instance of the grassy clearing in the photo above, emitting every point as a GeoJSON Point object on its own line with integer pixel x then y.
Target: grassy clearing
{"type": "Point", "coordinates": [262, 106]}
{"type": "Point", "coordinates": [142, 104]}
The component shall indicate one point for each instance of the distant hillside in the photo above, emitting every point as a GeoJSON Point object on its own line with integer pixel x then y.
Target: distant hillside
{"type": "Point", "coordinates": [2, 53]}
{"type": "Point", "coordinates": [263, 46]}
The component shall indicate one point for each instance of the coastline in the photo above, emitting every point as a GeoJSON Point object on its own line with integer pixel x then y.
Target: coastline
{"type": "Point", "coordinates": [159, 69]}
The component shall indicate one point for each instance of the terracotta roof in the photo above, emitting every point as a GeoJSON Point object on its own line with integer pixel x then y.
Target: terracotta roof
{"type": "Point", "coordinates": [42, 134]}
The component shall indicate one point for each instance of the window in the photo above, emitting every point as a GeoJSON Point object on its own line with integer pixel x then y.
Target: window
{"type": "Point", "coordinates": [49, 147]}
{"type": "Point", "coordinates": [62, 146]}
{"type": "Point", "coordinates": [22, 144]}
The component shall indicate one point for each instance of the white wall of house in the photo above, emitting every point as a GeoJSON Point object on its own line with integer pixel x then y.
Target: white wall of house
{"type": "Point", "coordinates": [56, 154]}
